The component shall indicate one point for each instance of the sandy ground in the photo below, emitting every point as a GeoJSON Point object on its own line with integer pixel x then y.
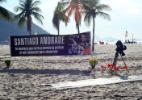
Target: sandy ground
{"type": "Point", "coordinates": [23, 80]}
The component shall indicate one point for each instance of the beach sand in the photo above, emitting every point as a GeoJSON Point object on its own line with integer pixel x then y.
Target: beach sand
{"type": "Point", "coordinates": [22, 81]}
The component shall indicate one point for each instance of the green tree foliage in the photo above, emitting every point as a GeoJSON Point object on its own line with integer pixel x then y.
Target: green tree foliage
{"type": "Point", "coordinates": [92, 9]}
{"type": "Point", "coordinates": [75, 6]}
{"type": "Point", "coordinates": [4, 13]}
{"type": "Point", "coordinates": [59, 15]}
{"type": "Point", "coordinates": [27, 9]}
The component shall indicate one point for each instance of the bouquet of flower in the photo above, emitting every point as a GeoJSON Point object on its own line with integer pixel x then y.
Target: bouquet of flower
{"type": "Point", "coordinates": [93, 62]}
{"type": "Point", "coordinates": [110, 68]}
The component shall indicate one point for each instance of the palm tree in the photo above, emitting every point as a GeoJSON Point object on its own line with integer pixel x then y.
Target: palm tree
{"type": "Point", "coordinates": [28, 8]}
{"type": "Point", "coordinates": [59, 15]}
{"type": "Point", "coordinates": [92, 10]}
{"type": "Point", "coordinates": [76, 7]}
{"type": "Point", "coordinates": [4, 13]}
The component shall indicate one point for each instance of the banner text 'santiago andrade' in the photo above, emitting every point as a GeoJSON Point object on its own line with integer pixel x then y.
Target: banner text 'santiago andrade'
{"type": "Point", "coordinates": [44, 45]}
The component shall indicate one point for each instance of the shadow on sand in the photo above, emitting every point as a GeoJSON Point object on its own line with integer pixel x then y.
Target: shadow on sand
{"type": "Point", "coordinates": [47, 71]}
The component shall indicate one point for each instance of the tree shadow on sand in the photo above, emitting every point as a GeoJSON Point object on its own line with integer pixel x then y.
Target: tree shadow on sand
{"type": "Point", "coordinates": [47, 71]}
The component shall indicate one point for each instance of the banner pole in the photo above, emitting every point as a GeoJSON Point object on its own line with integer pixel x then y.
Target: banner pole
{"type": "Point", "coordinates": [42, 59]}
{"type": "Point", "coordinates": [91, 44]}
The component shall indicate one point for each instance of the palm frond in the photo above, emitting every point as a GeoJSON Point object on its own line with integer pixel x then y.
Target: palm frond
{"type": "Point", "coordinates": [59, 15]}
{"type": "Point", "coordinates": [18, 16]}
{"type": "Point", "coordinates": [22, 5]}
{"type": "Point", "coordinates": [59, 8]}
{"type": "Point", "coordinates": [64, 3]}
{"type": "Point", "coordinates": [76, 7]}
{"type": "Point", "coordinates": [5, 14]}
{"type": "Point", "coordinates": [77, 16]}
{"type": "Point", "coordinates": [35, 3]}
{"type": "Point", "coordinates": [18, 8]}
{"type": "Point", "coordinates": [103, 7]}
{"type": "Point", "coordinates": [96, 9]}
{"type": "Point", "coordinates": [103, 15]}
{"type": "Point", "coordinates": [87, 19]}
{"type": "Point", "coordinates": [90, 3]}
{"type": "Point", "coordinates": [92, 9]}
{"type": "Point", "coordinates": [36, 9]}
{"type": "Point", "coordinates": [22, 1]}
{"type": "Point", "coordinates": [27, 9]}
{"type": "Point", "coordinates": [70, 12]}
{"type": "Point", "coordinates": [2, 0]}
{"type": "Point", "coordinates": [21, 21]}
{"type": "Point", "coordinates": [55, 21]}
{"type": "Point", "coordinates": [38, 17]}
{"type": "Point", "coordinates": [63, 18]}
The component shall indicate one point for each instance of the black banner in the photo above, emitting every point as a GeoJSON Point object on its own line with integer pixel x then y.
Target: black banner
{"type": "Point", "coordinates": [44, 45]}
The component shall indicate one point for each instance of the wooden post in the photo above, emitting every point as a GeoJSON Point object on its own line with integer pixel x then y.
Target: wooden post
{"type": "Point", "coordinates": [114, 62]}
{"type": "Point", "coordinates": [115, 59]}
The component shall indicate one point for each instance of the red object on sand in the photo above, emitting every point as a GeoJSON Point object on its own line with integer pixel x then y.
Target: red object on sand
{"type": "Point", "coordinates": [109, 65]}
{"type": "Point", "coordinates": [87, 51]}
{"type": "Point", "coordinates": [101, 42]}
{"type": "Point", "coordinates": [102, 66]}
{"type": "Point", "coordinates": [114, 68]}
{"type": "Point", "coordinates": [125, 67]}
{"type": "Point", "coordinates": [117, 69]}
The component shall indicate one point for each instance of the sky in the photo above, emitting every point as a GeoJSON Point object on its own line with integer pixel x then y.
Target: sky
{"type": "Point", "coordinates": [126, 15]}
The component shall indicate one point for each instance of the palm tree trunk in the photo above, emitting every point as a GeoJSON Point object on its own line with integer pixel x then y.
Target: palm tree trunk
{"type": "Point", "coordinates": [30, 32]}
{"type": "Point", "coordinates": [78, 29]}
{"type": "Point", "coordinates": [29, 24]}
{"type": "Point", "coordinates": [93, 39]}
{"type": "Point", "coordinates": [59, 29]}
{"type": "Point", "coordinates": [29, 28]}
{"type": "Point", "coordinates": [77, 25]}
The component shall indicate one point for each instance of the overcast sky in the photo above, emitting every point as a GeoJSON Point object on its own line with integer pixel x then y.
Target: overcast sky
{"type": "Point", "coordinates": [125, 15]}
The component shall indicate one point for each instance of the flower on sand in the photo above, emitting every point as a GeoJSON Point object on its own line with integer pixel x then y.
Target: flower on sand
{"type": "Point", "coordinates": [93, 62]}
{"type": "Point", "coordinates": [115, 68]}
{"type": "Point", "coordinates": [125, 67]}
{"type": "Point", "coordinates": [109, 65]}
{"type": "Point", "coordinates": [102, 66]}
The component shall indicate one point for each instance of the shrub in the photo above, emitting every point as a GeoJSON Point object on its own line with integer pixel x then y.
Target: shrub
{"type": "Point", "coordinates": [7, 62]}
{"type": "Point", "coordinates": [93, 62]}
